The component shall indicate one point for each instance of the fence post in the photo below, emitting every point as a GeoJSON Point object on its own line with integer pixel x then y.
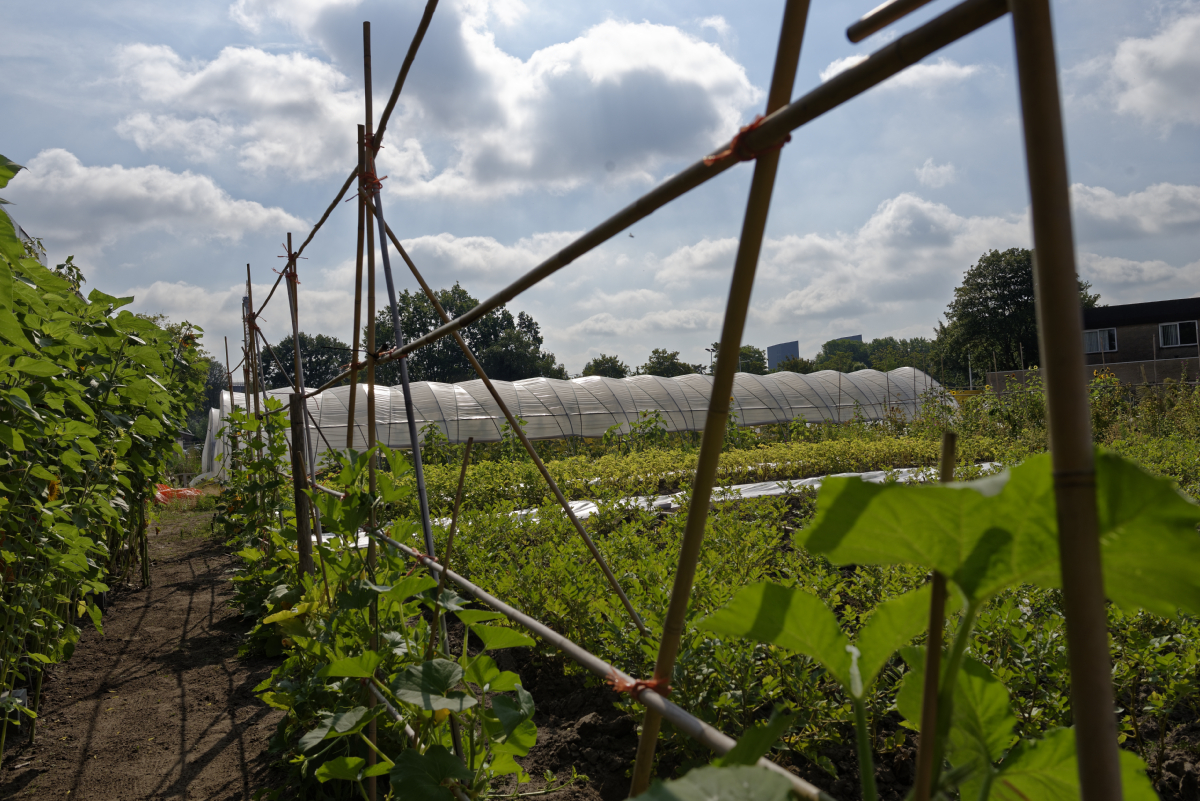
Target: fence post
{"type": "Point", "coordinates": [299, 482]}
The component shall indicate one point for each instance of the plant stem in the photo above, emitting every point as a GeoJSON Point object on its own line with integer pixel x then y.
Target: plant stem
{"type": "Point", "coordinates": [866, 762]}
{"type": "Point", "coordinates": [946, 694]}
{"type": "Point", "coordinates": [375, 748]}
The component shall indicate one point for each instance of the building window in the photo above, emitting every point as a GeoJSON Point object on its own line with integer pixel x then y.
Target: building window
{"type": "Point", "coordinates": [1172, 335]}
{"type": "Point", "coordinates": [1102, 339]}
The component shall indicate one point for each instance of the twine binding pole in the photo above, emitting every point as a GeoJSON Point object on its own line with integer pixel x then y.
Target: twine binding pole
{"type": "Point", "coordinates": [795, 16]}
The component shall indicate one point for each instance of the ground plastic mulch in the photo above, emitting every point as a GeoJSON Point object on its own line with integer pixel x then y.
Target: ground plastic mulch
{"type": "Point", "coordinates": [161, 706]}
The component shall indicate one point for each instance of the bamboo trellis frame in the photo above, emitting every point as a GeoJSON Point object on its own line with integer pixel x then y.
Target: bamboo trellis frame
{"type": "Point", "coordinates": [1060, 327]}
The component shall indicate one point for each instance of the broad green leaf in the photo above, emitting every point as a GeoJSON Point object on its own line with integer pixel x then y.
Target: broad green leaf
{"type": "Point", "coordinates": [504, 764]}
{"type": "Point", "coordinates": [737, 783]}
{"type": "Point", "coordinates": [410, 586]}
{"type": "Point", "coordinates": [11, 438]}
{"type": "Point", "coordinates": [41, 368]}
{"type": "Point", "coordinates": [756, 741]}
{"type": "Point", "coordinates": [347, 768]}
{"type": "Point", "coordinates": [96, 296]}
{"type": "Point", "coordinates": [892, 625]}
{"type": "Point", "coordinates": [351, 721]}
{"type": "Point", "coordinates": [495, 637]}
{"type": "Point", "coordinates": [787, 617]}
{"type": "Point", "coordinates": [990, 534]}
{"type": "Point", "coordinates": [483, 672]}
{"type": "Point", "coordinates": [428, 776]}
{"type": "Point", "coordinates": [430, 686]}
{"type": "Point", "coordinates": [512, 712]}
{"type": "Point", "coordinates": [470, 616]}
{"type": "Point", "coordinates": [1047, 770]}
{"type": "Point", "coordinates": [8, 168]}
{"type": "Point", "coordinates": [356, 667]}
{"type": "Point", "coordinates": [1148, 538]}
{"type": "Point", "coordinates": [359, 593]}
{"type": "Point", "coordinates": [981, 726]}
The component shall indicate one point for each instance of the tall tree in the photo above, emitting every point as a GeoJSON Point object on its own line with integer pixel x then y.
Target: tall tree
{"type": "Point", "coordinates": [844, 356]}
{"type": "Point", "coordinates": [993, 313]}
{"type": "Point", "coordinates": [509, 348]}
{"type": "Point", "coordinates": [322, 356]}
{"type": "Point", "coordinates": [795, 364]}
{"type": "Point", "coordinates": [666, 363]}
{"type": "Point", "coordinates": [607, 366]}
{"type": "Point", "coordinates": [750, 359]}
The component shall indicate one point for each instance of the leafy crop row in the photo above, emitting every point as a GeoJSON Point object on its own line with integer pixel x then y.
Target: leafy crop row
{"type": "Point", "coordinates": [90, 405]}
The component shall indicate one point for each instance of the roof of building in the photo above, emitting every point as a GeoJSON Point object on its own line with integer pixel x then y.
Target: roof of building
{"type": "Point", "coordinates": [1159, 311]}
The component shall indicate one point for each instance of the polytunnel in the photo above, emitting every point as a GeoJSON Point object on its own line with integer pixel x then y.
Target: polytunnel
{"type": "Point", "coordinates": [589, 406]}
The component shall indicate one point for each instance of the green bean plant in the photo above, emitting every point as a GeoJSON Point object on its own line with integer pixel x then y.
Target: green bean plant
{"type": "Point", "coordinates": [92, 398]}
{"type": "Point", "coordinates": [361, 622]}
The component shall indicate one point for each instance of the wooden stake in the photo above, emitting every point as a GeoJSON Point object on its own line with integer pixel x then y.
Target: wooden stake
{"type": "Point", "coordinates": [927, 746]}
{"type": "Point", "coordinates": [435, 627]}
{"type": "Point", "coordinates": [372, 479]}
{"type": "Point", "coordinates": [299, 482]}
{"type": "Point", "coordinates": [358, 271]}
{"type": "Point", "coordinates": [787, 56]}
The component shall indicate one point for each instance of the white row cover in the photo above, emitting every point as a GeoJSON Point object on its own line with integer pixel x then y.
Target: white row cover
{"type": "Point", "coordinates": [589, 406]}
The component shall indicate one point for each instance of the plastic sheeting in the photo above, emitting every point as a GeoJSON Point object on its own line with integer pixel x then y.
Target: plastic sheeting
{"type": "Point", "coordinates": [589, 406]}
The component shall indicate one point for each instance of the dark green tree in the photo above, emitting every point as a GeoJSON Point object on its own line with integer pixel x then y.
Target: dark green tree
{"type": "Point", "coordinates": [666, 363]}
{"type": "Point", "coordinates": [607, 366]}
{"type": "Point", "coordinates": [795, 364]}
{"type": "Point", "coordinates": [509, 348]}
{"type": "Point", "coordinates": [993, 314]}
{"type": "Point", "coordinates": [750, 360]}
{"type": "Point", "coordinates": [844, 356]}
{"type": "Point", "coordinates": [322, 356]}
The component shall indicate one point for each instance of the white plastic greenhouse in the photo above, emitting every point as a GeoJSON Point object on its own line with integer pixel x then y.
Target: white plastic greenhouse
{"type": "Point", "coordinates": [589, 406]}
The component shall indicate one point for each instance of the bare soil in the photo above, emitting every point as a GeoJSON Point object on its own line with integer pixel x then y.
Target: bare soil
{"type": "Point", "coordinates": [160, 707]}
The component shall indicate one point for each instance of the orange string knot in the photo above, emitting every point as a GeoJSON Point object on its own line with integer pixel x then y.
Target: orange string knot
{"type": "Point", "coordinates": [635, 686]}
{"type": "Point", "coordinates": [370, 183]}
{"type": "Point", "coordinates": [737, 149]}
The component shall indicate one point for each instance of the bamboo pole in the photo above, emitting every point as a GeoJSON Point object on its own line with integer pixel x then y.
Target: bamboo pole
{"type": "Point", "coordinates": [372, 478]}
{"type": "Point", "coordinates": [518, 430]}
{"type": "Point", "coordinates": [252, 343]}
{"type": "Point", "coordinates": [927, 751]}
{"type": "Point", "coordinates": [880, 17]}
{"type": "Point", "coordinates": [1060, 326]}
{"type": "Point", "coordinates": [376, 197]}
{"type": "Point", "coordinates": [303, 531]}
{"type": "Point", "coordinates": [358, 269]}
{"type": "Point", "coordinates": [795, 16]}
{"type": "Point", "coordinates": [435, 626]}
{"type": "Point", "coordinates": [690, 725]}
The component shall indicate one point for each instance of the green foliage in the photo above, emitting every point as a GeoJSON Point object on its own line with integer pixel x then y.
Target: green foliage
{"type": "Point", "coordinates": [607, 366]}
{"type": "Point", "coordinates": [795, 364]}
{"type": "Point", "coordinates": [993, 314]}
{"type": "Point", "coordinates": [323, 358]}
{"type": "Point", "coordinates": [91, 401]}
{"type": "Point", "coordinates": [508, 347]}
{"type": "Point", "coordinates": [322, 626]}
{"type": "Point", "coordinates": [666, 363]}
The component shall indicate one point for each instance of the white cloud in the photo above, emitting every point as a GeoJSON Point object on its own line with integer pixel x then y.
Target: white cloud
{"type": "Point", "coordinates": [706, 259]}
{"type": "Point", "coordinates": [616, 104]}
{"type": "Point", "coordinates": [840, 65]}
{"type": "Point", "coordinates": [1158, 209]}
{"type": "Point", "coordinates": [84, 209]}
{"type": "Point", "coordinates": [1158, 79]}
{"type": "Point", "coordinates": [924, 77]}
{"type": "Point", "coordinates": [717, 23]}
{"type": "Point", "coordinates": [665, 321]}
{"type": "Point", "coordinates": [289, 112]}
{"type": "Point", "coordinates": [1113, 270]}
{"type": "Point", "coordinates": [625, 298]}
{"type": "Point", "coordinates": [482, 260]}
{"type": "Point", "coordinates": [936, 175]}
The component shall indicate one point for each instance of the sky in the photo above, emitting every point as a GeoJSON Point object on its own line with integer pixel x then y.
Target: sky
{"type": "Point", "coordinates": [167, 146]}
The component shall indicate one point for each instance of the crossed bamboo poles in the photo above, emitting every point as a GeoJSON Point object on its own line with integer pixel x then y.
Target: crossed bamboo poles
{"type": "Point", "coordinates": [1058, 318]}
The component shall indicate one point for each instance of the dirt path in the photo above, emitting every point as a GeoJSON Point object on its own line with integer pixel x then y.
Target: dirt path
{"type": "Point", "coordinates": [160, 707]}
